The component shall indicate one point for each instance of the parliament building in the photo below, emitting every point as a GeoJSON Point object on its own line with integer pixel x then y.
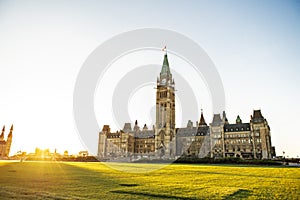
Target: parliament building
{"type": "Point", "coordinates": [218, 139]}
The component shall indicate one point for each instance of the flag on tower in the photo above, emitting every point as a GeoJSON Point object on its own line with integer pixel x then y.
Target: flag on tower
{"type": "Point", "coordinates": [165, 48]}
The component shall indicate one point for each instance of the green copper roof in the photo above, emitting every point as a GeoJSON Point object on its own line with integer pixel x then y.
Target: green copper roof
{"type": "Point", "coordinates": [238, 119]}
{"type": "Point", "coordinates": [165, 68]}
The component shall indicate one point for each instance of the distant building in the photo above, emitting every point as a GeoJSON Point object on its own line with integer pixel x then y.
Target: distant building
{"type": "Point", "coordinates": [66, 153]}
{"type": "Point", "coordinates": [5, 145]}
{"type": "Point", "coordinates": [83, 153]}
{"type": "Point", "coordinates": [40, 153]}
{"type": "Point", "coordinates": [219, 139]}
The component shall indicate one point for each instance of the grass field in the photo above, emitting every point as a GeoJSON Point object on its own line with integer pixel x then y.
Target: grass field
{"type": "Point", "coordinates": [58, 180]}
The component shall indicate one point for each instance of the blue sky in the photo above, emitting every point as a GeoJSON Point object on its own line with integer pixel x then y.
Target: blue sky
{"type": "Point", "coordinates": [254, 45]}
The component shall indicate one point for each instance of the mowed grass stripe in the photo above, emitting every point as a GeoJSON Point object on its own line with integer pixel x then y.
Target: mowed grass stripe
{"type": "Point", "coordinates": [58, 180]}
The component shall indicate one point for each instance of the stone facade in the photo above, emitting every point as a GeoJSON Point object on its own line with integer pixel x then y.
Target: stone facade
{"type": "Point", "coordinates": [5, 145]}
{"type": "Point", "coordinates": [219, 139]}
{"type": "Point", "coordinates": [246, 140]}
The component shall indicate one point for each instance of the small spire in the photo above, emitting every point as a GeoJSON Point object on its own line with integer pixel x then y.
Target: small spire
{"type": "Point", "coordinates": [224, 114]}
{"type": "Point", "coordinates": [238, 120]}
{"type": "Point", "coordinates": [136, 127]}
{"type": "Point", "coordinates": [2, 134]}
{"type": "Point", "coordinates": [145, 127]}
{"type": "Point", "coordinates": [12, 127]}
{"type": "Point", "coordinates": [224, 118]}
{"type": "Point", "coordinates": [202, 120]}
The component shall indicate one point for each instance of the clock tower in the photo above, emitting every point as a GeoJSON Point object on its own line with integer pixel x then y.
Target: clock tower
{"type": "Point", "coordinates": [165, 113]}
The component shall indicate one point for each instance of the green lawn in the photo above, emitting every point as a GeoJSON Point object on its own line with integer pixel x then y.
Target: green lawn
{"type": "Point", "coordinates": [61, 180]}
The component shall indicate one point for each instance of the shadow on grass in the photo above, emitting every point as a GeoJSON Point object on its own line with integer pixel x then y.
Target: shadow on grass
{"type": "Point", "coordinates": [52, 180]}
{"type": "Point", "coordinates": [239, 194]}
{"type": "Point", "coordinates": [128, 184]}
{"type": "Point", "coordinates": [149, 195]}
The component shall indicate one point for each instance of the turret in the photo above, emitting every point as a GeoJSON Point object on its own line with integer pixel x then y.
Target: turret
{"type": "Point", "coordinates": [189, 124]}
{"type": "Point", "coordinates": [238, 120]}
{"type": "Point", "coordinates": [145, 128]}
{"type": "Point", "coordinates": [127, 127]}
{"type": "Point", "coordinates": [261, 130]}
{"type": "Point", "coordinates": [106, 129]}
{"type": "Point", "coordinates": [136, 127]}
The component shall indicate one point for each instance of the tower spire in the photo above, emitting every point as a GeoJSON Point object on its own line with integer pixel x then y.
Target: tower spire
{"type": "Point", "coordinates": [2, 134]}
{"type": "Point", "coordinates": [11, 130]}
{"type": "Point", "coordinates": [165, 70]}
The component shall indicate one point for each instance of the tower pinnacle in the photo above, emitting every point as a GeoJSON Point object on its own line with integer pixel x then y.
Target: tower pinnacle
{"type": "Point", "coordinates": [202, 120]}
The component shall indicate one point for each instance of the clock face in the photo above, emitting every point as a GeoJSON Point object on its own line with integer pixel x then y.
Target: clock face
{"type": "Point", "coordinates": [163, 81]}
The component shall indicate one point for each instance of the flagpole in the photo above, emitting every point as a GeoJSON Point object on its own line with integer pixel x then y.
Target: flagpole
{"type": "Point", "coordinates": [165, 49]}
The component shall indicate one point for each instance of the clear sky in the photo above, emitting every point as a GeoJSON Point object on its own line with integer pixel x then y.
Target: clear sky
{"type": "Point", "coordinates": [255, 46]}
